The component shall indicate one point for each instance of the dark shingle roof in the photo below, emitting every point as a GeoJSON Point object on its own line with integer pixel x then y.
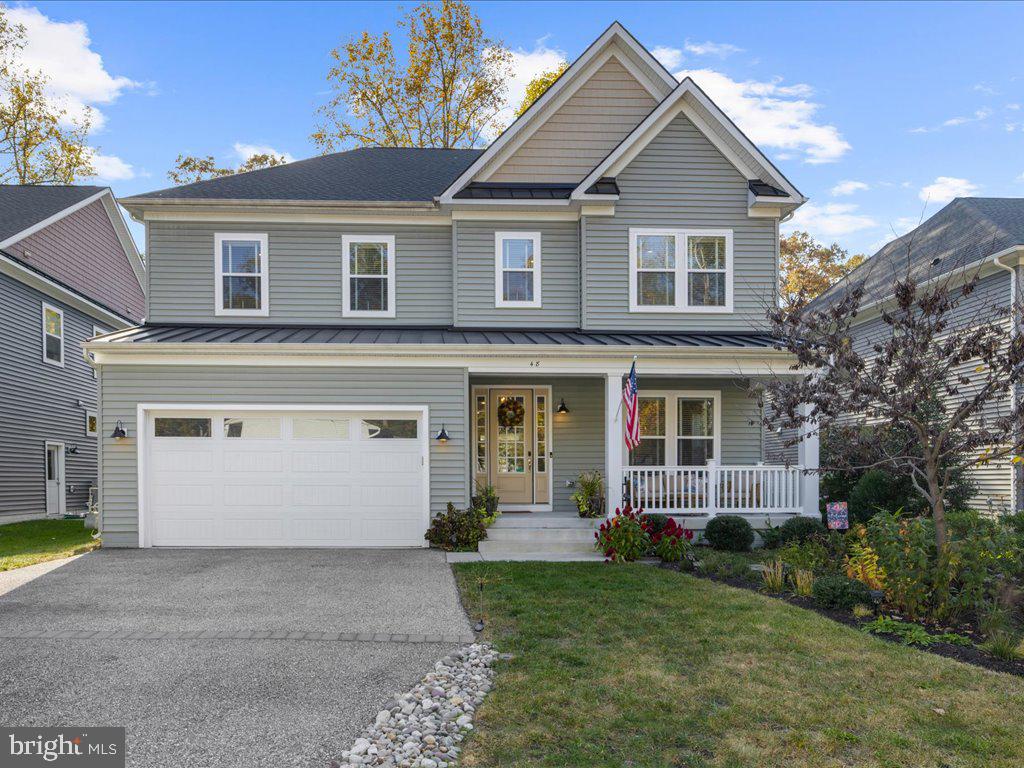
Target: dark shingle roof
{"type": "Point", "coordinates": [292, 334]}
{"type": "Point", "coordinates": [391, 174]}
{"type": "Point", "coordinates": [965, 231]}
{"type": "Point", "coordinates": [21, 206]}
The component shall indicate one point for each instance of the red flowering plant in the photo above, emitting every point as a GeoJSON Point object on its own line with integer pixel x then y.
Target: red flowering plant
{"type": "Point", "coordinates": [625, 537]}
{"type": "Point", "coordinates": [673, 543]}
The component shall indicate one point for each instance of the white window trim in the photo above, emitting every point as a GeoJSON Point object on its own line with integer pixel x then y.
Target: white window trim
{"type": "Point", "coordinates": [671, 438]}
{"type": "Point", "coordinates": [682, 270]}
{"type": "Point", "coordinates": [91, 414]}
{"type": "Point", "coordinates": [499, 297]}
{"type": "Point", "coordinates": [263, 274]}
{"type": "Point", "coordinates": [63, 333]}
{"type": "Point", "coordinates": [346, 274]}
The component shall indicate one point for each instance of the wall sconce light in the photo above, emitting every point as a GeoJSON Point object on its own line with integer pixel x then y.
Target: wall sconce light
{"type": "Point", "coordinates": [72, 448]}
{"type": "Point", "coordinates": [119, 433]}
{"type": "Point", "coordinates": [561, 407]}
{"type": "Point", "coordinates": [442, 436]}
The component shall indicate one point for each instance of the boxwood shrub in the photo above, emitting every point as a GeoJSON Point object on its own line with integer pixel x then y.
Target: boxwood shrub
{"type": "Point", "coordinates": [729, 533]}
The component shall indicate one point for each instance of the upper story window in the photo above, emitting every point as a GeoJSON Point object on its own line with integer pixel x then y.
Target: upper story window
{"type": "Point", "coordinates": [368, 276]}
{"type": "Point", "coordinates": [243, 279]}
{"type": "Point", "coordinates": [517, 269]}
{"type": "Point", "coordinates": [680, 270]}
{"type": "Point", "coordinates": [53, 335]}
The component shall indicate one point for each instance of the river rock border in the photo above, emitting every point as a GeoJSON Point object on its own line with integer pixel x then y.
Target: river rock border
{"type": "Point", "coordinates": [423, 728]}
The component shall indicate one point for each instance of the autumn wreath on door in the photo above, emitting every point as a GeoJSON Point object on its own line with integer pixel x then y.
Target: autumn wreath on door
{"type": "Point", "coordinates": [511, 412]}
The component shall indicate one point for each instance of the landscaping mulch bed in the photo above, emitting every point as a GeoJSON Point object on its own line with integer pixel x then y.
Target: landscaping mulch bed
{"type": "Point", "coordinates": [966, 654]}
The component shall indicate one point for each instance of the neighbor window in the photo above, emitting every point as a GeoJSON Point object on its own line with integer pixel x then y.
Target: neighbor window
{"type": "Point", "coordinates": [242, 268]}
{"type": "Point", "coordinates": [53, 335]}
{"type": "Point", "coordinates": [680, 270]}
{"type": "Point", "coordinates": [517, 269]}
{"type": "Point", "coordinates": [368, 276]}
{"type": "Point", "coordinates": [181, 427]}
{"type": "Point", "coordinates": [91, 424]}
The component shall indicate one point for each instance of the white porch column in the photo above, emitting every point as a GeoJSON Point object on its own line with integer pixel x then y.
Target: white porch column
{"type": "Point", "coordinates": [807, 457]}
{"type": "Point", "coordinates": [613, 442]}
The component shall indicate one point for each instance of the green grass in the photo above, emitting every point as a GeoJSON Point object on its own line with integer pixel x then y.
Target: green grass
{"type": "Point", "coordinates": [631, 665]}
{"type": "Point", "coordinates": [36, 541]}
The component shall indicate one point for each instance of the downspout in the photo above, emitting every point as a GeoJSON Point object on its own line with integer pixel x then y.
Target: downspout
{"type": "Point", "coordinates": [91, 362]}
{"type": "Point", "coordinates": [1014, 330]}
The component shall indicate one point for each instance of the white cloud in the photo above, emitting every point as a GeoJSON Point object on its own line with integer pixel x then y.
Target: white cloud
{"type": "Point", "coordinates": [245, 151]}
{"type": "Point", "coordinates": [708, 48]}
{"type": "Point", "coordinates": [111, 168]}
{"type": "Point", "coordinates": [983, 88]}
{"type": "Point", "coordinates": [978, 116]}
{"type": "Point", "coordinates": [526, 65]}
{"type": "Point", "coordinates": [848, 188]}
{"type": "Point", "coordinates": [945, 188]}
{"type": "Point", "coordinates": [1021, 177]}
{"type": "Point", "coordinates": [668, 56]}
{"type": "Point", "coordinates": [774, 115]}
{"type": "Point", "coordinates": [62, 50]}
{"type": "Point", "coordinates": [830, 220]}
{"type": "Point", "coordinates": [1014, 107]}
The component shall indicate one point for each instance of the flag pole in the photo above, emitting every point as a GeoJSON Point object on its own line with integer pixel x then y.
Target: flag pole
{"type": "Point", "coordinates": [619, 411]}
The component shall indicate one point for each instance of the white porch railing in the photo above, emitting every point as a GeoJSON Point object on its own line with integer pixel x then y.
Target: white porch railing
{"type": "Point", "coordinates": [714, 489]}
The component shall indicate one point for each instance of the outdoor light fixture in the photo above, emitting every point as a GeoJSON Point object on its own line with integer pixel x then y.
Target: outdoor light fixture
{"type": "Point", "coordinates": [119, 433]}
{"type": "Point", "coordinates": [442, 436]}
{"type": "Point", "coordinates": [561, 407]}
{"type": "Point", "coordinates": [72, 448]}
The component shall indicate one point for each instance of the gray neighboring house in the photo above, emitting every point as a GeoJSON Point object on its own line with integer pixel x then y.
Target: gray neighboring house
{"type": "Point", "coordinates": [971, 237]}
{"type": "Point", "coordinates": [338, 347]}
{"type": "Point", "coordinates": [69, 271]}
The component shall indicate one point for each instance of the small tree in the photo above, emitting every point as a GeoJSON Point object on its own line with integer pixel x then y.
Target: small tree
{"type": "Point", "coordinates": [449, 93]}
{"type": "Point", "coordinates": [807, 268]}
{"type": "Point", "coordinates": [536, 87]}
{"type": "Point", "coordinates": [935, 395]}
{"type": "Point", "coordinates": [189, 169]}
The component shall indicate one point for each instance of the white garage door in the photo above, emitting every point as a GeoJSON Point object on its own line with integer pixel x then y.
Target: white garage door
{"type": "Point", "coordinates": [285, 479]}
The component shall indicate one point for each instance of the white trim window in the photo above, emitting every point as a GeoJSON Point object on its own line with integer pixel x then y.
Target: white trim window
{"type": "Point", "coordinates": [368, 276]}
{"type": "Point", "coordinates": [53, 335]}
{"type": "Point", "coordinates": [242, 266]}
{"type": "Point", "coordinates": [678, 428]}
{"type": "Point", "coordinates": [680, 270]}
{"type": "Point", "coordinates": [91, 424]}
{"type": "Point", "coordinates": [517, 269]}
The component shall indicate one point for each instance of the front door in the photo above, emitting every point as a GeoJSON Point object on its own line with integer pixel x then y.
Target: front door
{"type": "Point", "coordinates": [55, 497]}
{"type": "Point", "coordinates": [511, 421]}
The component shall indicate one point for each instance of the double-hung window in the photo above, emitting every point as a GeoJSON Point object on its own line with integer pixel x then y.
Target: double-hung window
{"type": "Point", "coordinates": [678, 428]}
{"type": "Point", "coordinates": [53, 335]}
{"type": "Point", "coordinates": [680, 270]}
{"type": "Point", "coordinates": [517, 269]}
{"type": "Point", "coordinates": [368, 276]}
{"type": "Point", "coordinates": [243, 275]}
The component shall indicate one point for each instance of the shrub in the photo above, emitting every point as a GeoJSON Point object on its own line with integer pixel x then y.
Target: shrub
{"type": "Point", "coordinates": [1003, 645]}
{"type": "Point", "coordinates": [656, 523]}
{"type": "Point", "coordinates": [774, 576]}
{"type": "Point", "coordinates": [878, 491]}
{"type": "Point", "coordinates": [912, 634]}
{"type": "Point", "coordinates": [589, 494]}
{"type": "Point", "coordinates": [672, 543]}
{"type": "Point", "coordinates": [624, 538]}
{"type": "Point", "coordinates": [839, 592]}
{"type": "Point", "coordinates": [820, 554]}
{"type": "Point", "coordinates": [457, 530]}
{"type": "Point", "coordinates": [771, 537]}
{"type": "Point", "coordinates": [862, 561]}
{"type": "Point", "coordinates": [800, 529]}
{"type": "Point", "coordinates": [729, 533]}
{"type": "Point", "coordinates": [803, 582]}
{"type": "Point", "coordinates": [725, 565]}
{"type": "Point", "coordinates": [486, 500]}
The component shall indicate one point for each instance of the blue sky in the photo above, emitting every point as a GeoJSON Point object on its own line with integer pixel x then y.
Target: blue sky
{"type": "Point", "coordinates": [877, 112]}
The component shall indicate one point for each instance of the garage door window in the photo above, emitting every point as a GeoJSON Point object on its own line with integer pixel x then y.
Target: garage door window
{"type": "Point", "coordinates": [320, 429]}
{"type": "Point", "coordinates": [376, 429]}
{"type": "Point", "coordinates": [253, 428]}
{"type": "Point", "coordinates": [171, 427]}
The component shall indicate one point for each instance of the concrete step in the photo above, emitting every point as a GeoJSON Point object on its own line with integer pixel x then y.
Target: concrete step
{"type": "Point", "coordinates": [568, 535]}
{"type": "Point", "coordinates": [544, 520]}
{"type": "Point", "coordinates": [490, 548]}
{"type": "Point", "coordinates": [550, 557]}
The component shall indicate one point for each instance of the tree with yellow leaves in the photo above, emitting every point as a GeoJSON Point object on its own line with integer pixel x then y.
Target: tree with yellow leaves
{"type": "Point", "coordinates": [189, 169]}
{"type": "Point", "coordinates": [807, 268]}
{"type": "Point", "coordinates": [536, 87]}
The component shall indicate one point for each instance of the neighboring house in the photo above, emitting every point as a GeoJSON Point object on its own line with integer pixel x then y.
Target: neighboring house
{"type": "Point", "coordinates": [68, 271]}
{"type": "Point", "coordinates": [971, 237]}
{"type": "Point", "coordinates": [338, 347]}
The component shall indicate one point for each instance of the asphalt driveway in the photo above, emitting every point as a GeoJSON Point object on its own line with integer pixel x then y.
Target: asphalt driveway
{"type": "Point", "coordinates": [225, 657]}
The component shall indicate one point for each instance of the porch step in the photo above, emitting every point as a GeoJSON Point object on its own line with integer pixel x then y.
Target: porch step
{"type": "Point", "coordinates": [544, 520]}
{"type": "Point", "coordinates": [549, 557]}
{"type": "Point", "coordinates": [520, 534]}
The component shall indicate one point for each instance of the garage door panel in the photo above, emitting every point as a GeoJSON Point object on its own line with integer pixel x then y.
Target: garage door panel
{"type": "Point", "coordinates": [317, 482]}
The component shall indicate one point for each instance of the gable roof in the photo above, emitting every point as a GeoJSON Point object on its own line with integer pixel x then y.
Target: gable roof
{"type": "Point", "coordinates": [24, 206]}
{"type": "Point", "coordinates": [370, 174]}
{"type": "Point", "coordinates": [966, 231]}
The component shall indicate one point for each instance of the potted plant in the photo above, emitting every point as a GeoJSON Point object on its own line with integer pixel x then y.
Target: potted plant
{"type": "Point", "coordinates": [486, 500]}
{"type": "Point", "coordinates": [589, 495]}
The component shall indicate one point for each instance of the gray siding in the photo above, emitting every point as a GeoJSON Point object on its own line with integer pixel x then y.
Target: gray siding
{"type": "Point", "coordinates": [679, 179]}
{"type": "Point", "coordinates": [305, 273]}
{"type": "Point", "coordinates": [40, 402]}
{"type": "Point", "coordinates": [560, 282]}
{"type": "Point", "coordinates": [444, 391]}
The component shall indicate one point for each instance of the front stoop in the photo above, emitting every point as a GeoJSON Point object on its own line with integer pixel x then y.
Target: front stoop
{"type": "Point", "coordinates": [539, 536]}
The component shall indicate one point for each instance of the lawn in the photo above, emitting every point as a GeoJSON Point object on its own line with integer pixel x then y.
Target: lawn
{"type": "Point", "coordinates": [631, 665]}
{"type": "Point", "coordinates": [36, 541]}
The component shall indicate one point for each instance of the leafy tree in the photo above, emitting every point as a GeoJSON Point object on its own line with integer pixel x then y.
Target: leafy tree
{"type": "Point", "coordinates": [536, 87]}
{"type": "Point", "coordinates": [935, 394]}
{"type": "Point", "coordinates": [39, 142]}
{"type": "Point", "coordinates": [808, 268]}
{"type": "Point", "coordinates": [190, 168]}
{"type": "Point", "coordinates": [449, 93]}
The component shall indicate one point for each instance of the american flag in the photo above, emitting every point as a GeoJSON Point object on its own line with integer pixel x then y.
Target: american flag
{"type": "Point", "coordinates": [629, 399]}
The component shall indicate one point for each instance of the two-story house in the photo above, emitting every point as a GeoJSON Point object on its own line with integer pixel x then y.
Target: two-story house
{"type": "Point", "coordinates": [338, 347]}
{"type": "Point", "coordinates": [69, 270]}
